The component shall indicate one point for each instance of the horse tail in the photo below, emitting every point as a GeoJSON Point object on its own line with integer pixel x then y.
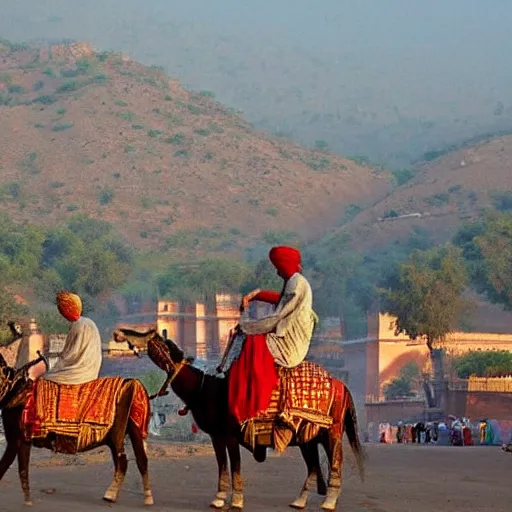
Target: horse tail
{"type": "Point", "coordinates": [350, 426]}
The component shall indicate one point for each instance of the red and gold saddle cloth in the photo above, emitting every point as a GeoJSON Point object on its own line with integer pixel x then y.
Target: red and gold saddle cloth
{"type": "Point", "coordinates": [306, 399]}
{"type": "Point", "coordinates": [71, 418]}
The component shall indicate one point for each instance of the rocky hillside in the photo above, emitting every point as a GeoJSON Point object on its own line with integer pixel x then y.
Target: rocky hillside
{"type": "Point", "coordinates": [442, 194]}
{"type": "Point", "coordinates": [101, 134]}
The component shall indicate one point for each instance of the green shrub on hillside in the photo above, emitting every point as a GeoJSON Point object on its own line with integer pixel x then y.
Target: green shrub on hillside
{"type": "Point", "coordinates": [402, 176]}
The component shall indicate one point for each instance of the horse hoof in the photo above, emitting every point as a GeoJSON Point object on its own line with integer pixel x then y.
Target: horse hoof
{"type": "Point", "coordinates": [110, 497]}
{"type": "Point", "coordinates": [329, 505]}
{"type": "Point", "coordinates": [218, 504]}
{"type": "Point", "coordinates": [298, 504]}
{"type": "Point", "coordinates": [148, 500]}
{"type": "Point", "coordinates": [28, 503]}
{"type": "Point", "coordinates": [237, 503]}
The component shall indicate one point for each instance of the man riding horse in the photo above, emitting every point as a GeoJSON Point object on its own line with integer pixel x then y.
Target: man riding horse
{"type": "Point", "coordinates": [280, 339]}
{"type": "Point", "coordinates": [81, 358]}
{"type": "Point", "coordinates": [70, 409]}
{"type": "Point", "coordinates": [271, 396]}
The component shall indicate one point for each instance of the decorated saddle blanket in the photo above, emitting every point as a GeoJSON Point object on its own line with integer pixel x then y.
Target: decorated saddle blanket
{"type": "Point", "coordinates": [306, 399]}
{"type": "Point", "coordinates": [78, 416]}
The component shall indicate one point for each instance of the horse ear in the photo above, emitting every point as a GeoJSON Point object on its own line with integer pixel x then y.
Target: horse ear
{"type": "Point", "coordinates": [190, 359]}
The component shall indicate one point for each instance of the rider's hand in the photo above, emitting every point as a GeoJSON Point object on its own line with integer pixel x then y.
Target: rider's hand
{"type": "Point", "coordinates": [247, 298]}
{"type": "Point", "coordinates": [34, 372]}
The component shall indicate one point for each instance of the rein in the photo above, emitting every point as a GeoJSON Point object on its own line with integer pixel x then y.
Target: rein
{"type": "Point", "coordinates": [177, 367]}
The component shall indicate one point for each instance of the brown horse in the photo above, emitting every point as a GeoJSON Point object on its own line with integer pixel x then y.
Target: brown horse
{"type": "Point", "coordinates": [12, 405]}
{"type": "Point", "coordinates": [207, 398]}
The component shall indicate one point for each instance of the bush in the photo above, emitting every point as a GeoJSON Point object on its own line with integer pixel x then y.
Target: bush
{"type": "Point", "coordinates": [488, 363]}
{"type": "Point", "coordinates": [502, 200]}
{"type": "Point", "coordinates": [45, 100]}
{"type": "Point", "coordinates": [402, 176]}
{"type": "Point", "coordinates": [438, 199]}
{"type": "Point", "coordinates": [397, 389]}
{"type": "Point", "coordinates": [62, 127]}
{"type": "Point", "coordinates": [176, 139]}
{"type": "Point", "coordinates": [390, 214]}
{"type": "Point", "coordinates": [105, 196]}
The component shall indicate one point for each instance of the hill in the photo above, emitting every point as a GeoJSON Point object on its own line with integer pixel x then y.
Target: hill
{"type": "Point", "coordinates": [101, 134]}
{"type": "Point", "coordinates": [368, 78]}
{"type": "Point", "coordinates": [443, 194]}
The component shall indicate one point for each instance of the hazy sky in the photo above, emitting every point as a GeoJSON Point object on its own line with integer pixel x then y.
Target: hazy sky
{"type": "Point", "coordinates": [359, 74]}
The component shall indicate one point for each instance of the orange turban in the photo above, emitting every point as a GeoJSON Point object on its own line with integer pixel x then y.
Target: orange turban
{"type": "Point", "coordinates": [69, 305]}
{"type": "Point", "coordinates": [287, 260]}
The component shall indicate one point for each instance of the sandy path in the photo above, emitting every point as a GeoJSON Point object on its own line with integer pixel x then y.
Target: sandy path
{"type": "Point", "coordinates": [400, 479]}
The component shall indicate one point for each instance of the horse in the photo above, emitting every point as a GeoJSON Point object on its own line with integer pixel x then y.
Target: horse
{"type": "Point", "coordinates": [17, 389]}
{"type": "Point", "coordinates": [206, 396]}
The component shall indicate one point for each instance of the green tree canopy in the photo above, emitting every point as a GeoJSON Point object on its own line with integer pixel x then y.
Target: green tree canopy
{"type": "Point", "coordinates": [479, 363]}
{"type": "Point", "coordinates": [426, 294]}
{"type": "Point", "coordinates": [203, 279]}
{"type": "Point", "coordinates": [487, 249]}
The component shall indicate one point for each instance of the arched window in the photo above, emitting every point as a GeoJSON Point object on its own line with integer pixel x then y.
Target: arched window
{"type": "Point", "coordinates": [164, 334]}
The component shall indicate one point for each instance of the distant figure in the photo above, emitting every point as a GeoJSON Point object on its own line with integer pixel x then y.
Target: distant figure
{"type": "Point", "coordinates": [400, 432]}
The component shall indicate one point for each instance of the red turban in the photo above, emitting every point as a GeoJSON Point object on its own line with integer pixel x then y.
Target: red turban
{"type": "Point", "coordinates": [287, 260]}
{"type": "Point", "coordinates": [69, 305]}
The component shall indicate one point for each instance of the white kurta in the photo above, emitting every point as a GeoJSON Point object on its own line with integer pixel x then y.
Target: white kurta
{"type": "Point", "coordinates": [81, 358]}
{"type": "Point", "coordinates": [290, 328]}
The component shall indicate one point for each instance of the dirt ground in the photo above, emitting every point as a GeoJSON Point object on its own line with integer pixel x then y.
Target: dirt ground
{"type": "Point", "coordinates": [401, 478]}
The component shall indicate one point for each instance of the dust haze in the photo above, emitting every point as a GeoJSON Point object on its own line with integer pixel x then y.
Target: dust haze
{"type": "Point", "coordinates": [384, 80]}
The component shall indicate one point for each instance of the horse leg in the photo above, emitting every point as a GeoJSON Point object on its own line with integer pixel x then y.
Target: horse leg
{"type": "Point", "coordinates": [23, 465]}
{"type": "Point", "coordinates": [141, 458]}
{"type": "Point", "coordinates": [309, 453]}
{"type": "Point", "coordinates": [120, 467]}
{"type": "Point", "coordinates": [8, 457]}
{"type": "Point", "coordinates": [235, 462]}
{"type": "Point", "coordinates": [334, 448]}
{"type": "Point", "coordinates": [115, 441]}
{"type": "Point", "coordinates": [219, 445]}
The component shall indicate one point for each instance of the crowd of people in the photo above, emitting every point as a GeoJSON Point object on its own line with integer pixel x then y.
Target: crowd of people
{"type": "Point", "coordinates": [454, 431]}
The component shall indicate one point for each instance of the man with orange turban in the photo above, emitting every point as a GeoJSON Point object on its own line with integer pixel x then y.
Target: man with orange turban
{"type": "Point", "coordinates": [282, 338]}
{"type": "Point", "coordinates": [81, 358]}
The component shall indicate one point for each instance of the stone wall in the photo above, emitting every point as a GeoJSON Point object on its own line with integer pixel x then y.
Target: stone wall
{"type": "Point", "coordinates": [394, 411]}
{"type": "Point", "coordinates": [480, 404]}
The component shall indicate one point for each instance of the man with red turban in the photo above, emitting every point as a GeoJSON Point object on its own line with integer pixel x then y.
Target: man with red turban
{"type": "Point", "coordinates": [81, 358]}
{"type": "Point", "coordinates": [282, 338]}
{"type": "Point", "coordinates": [290, 328]}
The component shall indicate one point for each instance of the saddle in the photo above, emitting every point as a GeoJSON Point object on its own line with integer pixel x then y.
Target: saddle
{"type": "Point", "coordinates": [70, 418]}
{"type": "Point", "coordinates": [303, 402]}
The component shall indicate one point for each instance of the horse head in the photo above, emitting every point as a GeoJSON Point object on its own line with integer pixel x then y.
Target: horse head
{"type": "Point", "coordinates": [164, 353]}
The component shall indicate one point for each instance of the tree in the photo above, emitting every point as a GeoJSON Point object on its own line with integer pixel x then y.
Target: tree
{"type": "Point", "coordinates": [487, 249]}
{"type": "Point", "coordinates": [202, 280]}
{"type": "Point", "coordinates": [488, 363]}
{"type": "Point", "coordinates": [402, 387]}
{"type": "Point", "coordinates": [426, 299]}
{"type": "Point", "coordinates": [495, 244]}
{"type": "Point", "coordinates": [86, 257]}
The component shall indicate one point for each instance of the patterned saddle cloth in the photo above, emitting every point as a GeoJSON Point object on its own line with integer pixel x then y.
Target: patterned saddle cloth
{"type": "Point", "coordinates": [77, 416]}
{"type": "Point", "coordinates": [303, 402]}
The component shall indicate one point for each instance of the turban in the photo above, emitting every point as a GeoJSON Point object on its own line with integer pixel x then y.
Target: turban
{"type": "Point", "coordinates": [287, 260]}
{"type": "Point", "coordinates": [69, 305]}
